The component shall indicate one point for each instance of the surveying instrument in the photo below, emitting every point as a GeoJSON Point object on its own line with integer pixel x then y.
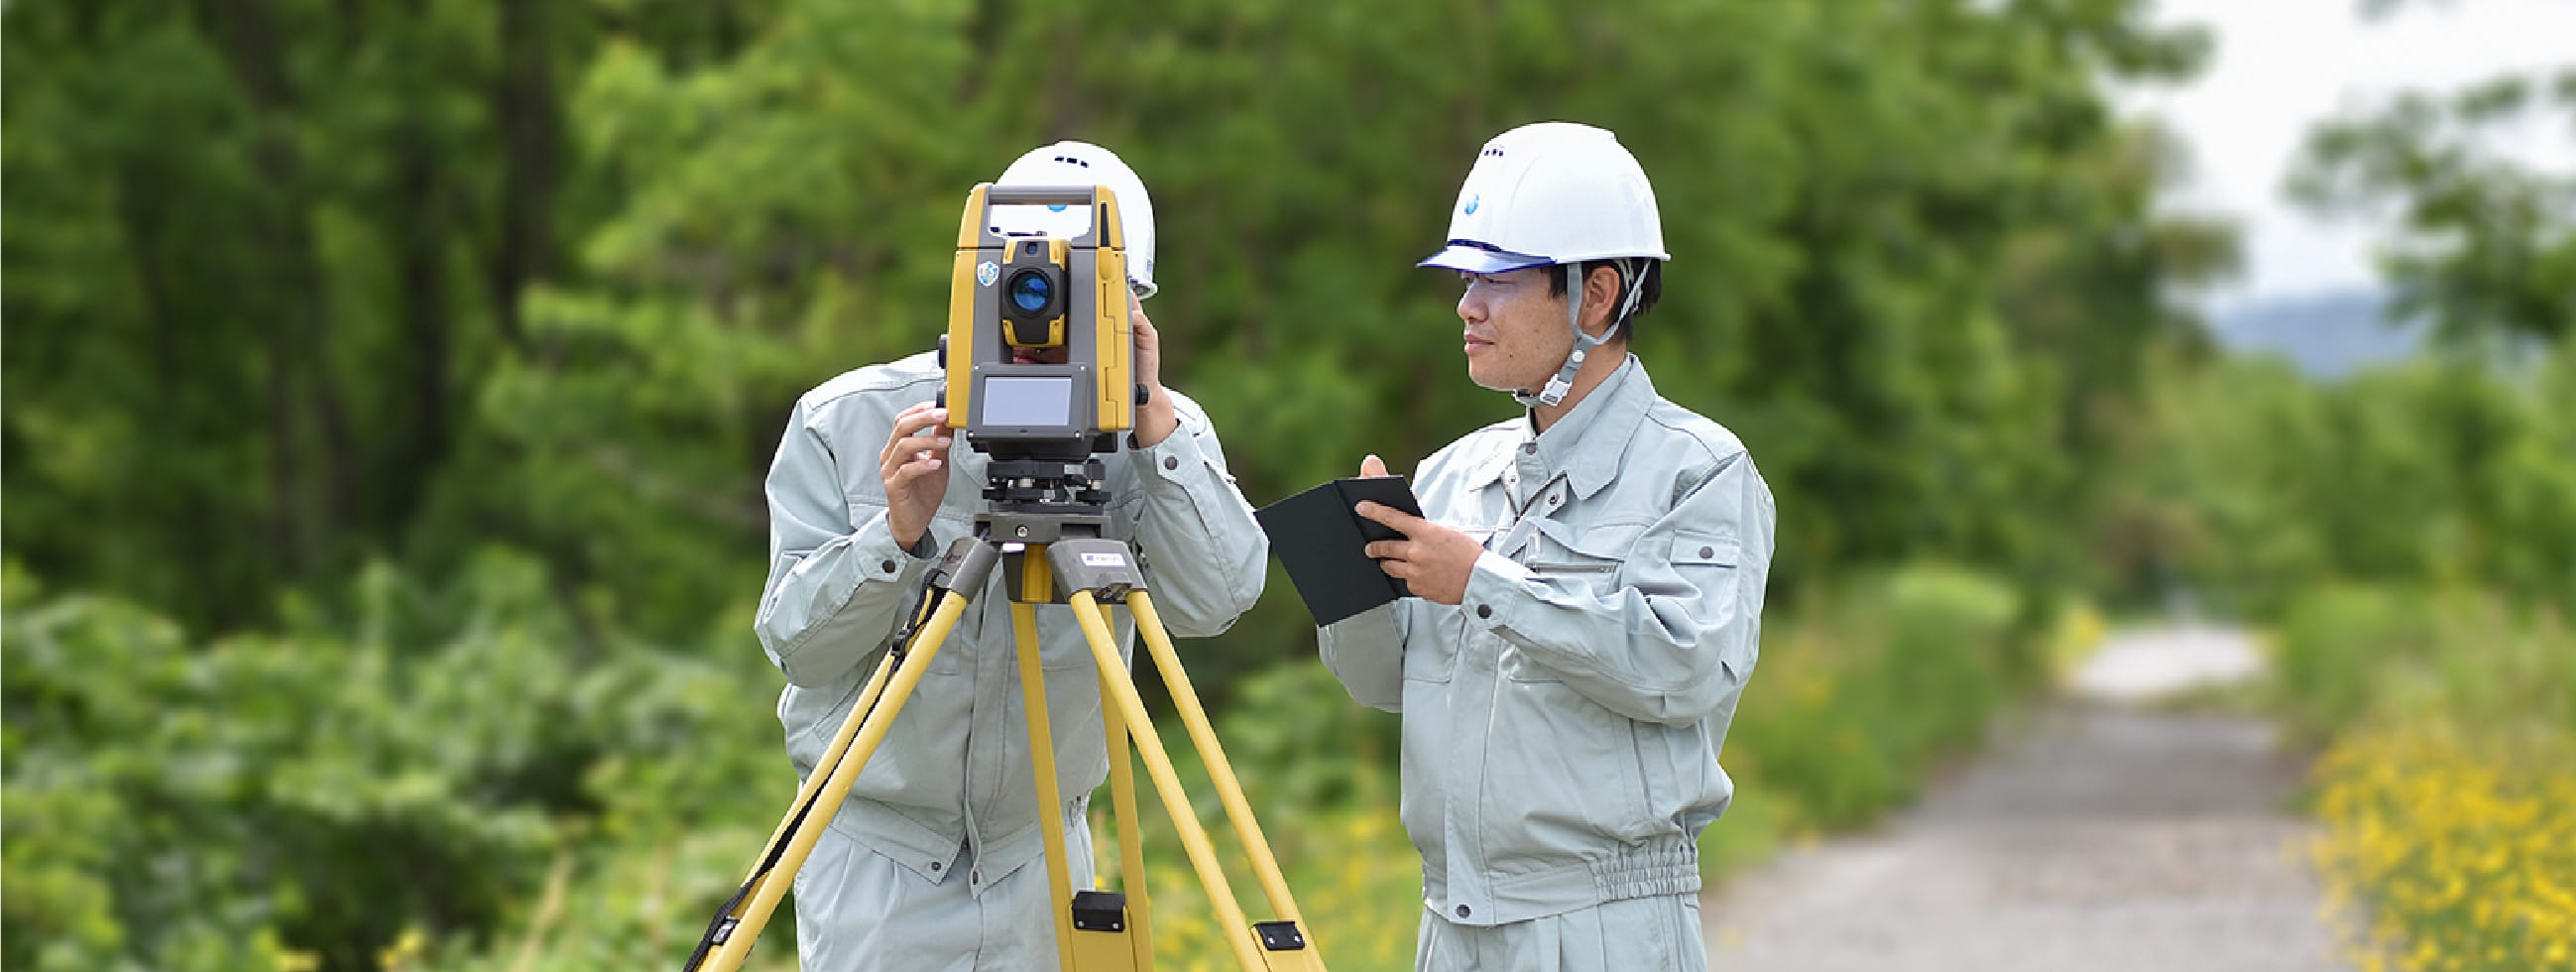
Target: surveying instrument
{"type": "Point", "coordinates": [1046, 526]}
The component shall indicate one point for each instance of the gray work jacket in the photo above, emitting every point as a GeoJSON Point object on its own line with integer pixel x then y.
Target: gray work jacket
{"type": "Point", "coordinates": [1562, 724]}
{"type": "Point", "coordinates": [954, 768]}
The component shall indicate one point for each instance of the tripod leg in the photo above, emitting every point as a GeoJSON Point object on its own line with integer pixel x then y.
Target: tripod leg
{"type": "Point", "coordinates": [1024, 623]}
{"type": "Point", "coordinates": [1131, 843]}
{"type": "Point", "coordinates": [839, 747]}
{"type": "Point", "coordinates": [1158, 765]}
{"type": "Point", "coordinates": [775, 870]}
{"type": "Point", "coordinates": [1238, 811]}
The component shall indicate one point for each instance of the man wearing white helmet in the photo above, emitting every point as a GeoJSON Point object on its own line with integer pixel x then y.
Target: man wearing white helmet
{"type": "Point", "coordinates": [934, 861]}
{"type": "Point", "coordinates": [1588, 591]}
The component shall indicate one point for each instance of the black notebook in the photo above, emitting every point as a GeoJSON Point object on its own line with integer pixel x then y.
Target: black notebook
{"type": "Point", "coordinates": [1322, 543]}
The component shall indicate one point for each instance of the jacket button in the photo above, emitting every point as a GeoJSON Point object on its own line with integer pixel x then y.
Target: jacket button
{"type": "Point", "coordinates": [1708, 551]}
{"type": "Point", "coordinates": [886, 565]}
{"type": "Point", "coordinates": [1529, 449]}
{"type": "Point", "coordinates": [1463, 911]}
{"type": "Point", "coordinates": [934, 867]}
{"type": "Point", "coordinates": [1484, 611]}
{"type": "Point", "coordinates": [1171, 462]}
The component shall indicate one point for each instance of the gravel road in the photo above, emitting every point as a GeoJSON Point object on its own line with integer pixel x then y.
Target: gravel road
{"type": "Point", "coordinates": [2098, 835]}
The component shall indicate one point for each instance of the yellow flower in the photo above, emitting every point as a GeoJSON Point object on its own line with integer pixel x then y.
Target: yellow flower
{"type": "Point", "coordinates": [2457, 845]}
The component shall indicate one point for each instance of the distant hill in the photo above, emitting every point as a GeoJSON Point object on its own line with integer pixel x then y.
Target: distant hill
{"type": "Point", "coordinates": [2326, 335]}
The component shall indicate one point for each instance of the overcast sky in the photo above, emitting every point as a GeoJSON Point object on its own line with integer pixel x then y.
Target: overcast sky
{"type": "Point", "coordinates": [2281, 65]}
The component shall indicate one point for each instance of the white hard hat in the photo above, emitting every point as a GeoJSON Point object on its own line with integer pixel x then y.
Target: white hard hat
{"type": "Point", "coordinates": [1552, 192]}
{"type": "Point", "coordinates": [1083, 164]}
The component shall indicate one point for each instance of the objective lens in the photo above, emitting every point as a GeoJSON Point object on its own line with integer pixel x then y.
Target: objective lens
{"type": "Point", "coordinates": [1031, 290]}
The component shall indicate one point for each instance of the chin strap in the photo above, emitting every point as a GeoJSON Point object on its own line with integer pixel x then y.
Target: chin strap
{"type": "Point", "coordinates": [1631, 272]}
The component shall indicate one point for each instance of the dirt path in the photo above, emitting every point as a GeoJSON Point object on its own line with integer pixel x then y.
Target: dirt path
{"type": "Point", "coordinates": [2098, 837]}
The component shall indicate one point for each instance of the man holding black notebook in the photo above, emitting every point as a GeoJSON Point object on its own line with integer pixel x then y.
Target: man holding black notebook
{"type": "Point", "coordinates": [1587, 591]}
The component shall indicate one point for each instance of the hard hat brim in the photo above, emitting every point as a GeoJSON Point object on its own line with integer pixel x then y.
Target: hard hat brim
{"type": "Point", "coordinates": [1477, 259]}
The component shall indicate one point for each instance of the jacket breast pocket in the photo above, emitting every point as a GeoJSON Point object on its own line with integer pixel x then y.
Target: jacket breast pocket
{"type": "Point", "coordinates": [1590, 557]}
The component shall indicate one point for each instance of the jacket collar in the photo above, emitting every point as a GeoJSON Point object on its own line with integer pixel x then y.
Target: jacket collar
{"type": "Point", "coordinates": [1587, 442]}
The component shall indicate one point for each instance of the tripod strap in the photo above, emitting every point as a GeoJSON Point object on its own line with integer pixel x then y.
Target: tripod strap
{"type": "Point", "coordinates": [720, 928]}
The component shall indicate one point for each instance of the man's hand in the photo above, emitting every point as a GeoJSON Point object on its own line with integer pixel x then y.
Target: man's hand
{"type": "Point", "coordinates": [1433, 560]}
{"type": "Point", "coordinates": [914, 471]}
{"type": "Point", "coordinates": [1156, 418]}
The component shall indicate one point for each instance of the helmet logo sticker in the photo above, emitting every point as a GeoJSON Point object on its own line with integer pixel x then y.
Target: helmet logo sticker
{"type": "Point", "coordinates": [986, 273]}
{"type": "Point", "coordinates": [1471, 203]}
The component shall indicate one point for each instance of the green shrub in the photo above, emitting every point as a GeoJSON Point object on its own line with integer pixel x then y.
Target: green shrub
{"type": "Point", "coordinates": [318, 798]}
{"type": "Point", "coordinates": [1858, 694]}
{"type": "Point", "coordinates": [2255, 485]}
{"type": "Point", "coordinates": [2351, 654]}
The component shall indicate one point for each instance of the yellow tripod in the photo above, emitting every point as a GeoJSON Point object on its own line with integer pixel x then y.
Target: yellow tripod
{"type": "Point", "coordinates": [1057, 559]}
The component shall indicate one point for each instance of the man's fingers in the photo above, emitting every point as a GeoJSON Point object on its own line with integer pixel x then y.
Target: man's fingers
{"type": "Point", "coordinates": [1372, 466]}
{"type": "Point", "coordinates": [907, 424]}
{"type": "Point", "coordinates": [902, 454]}
{"type": "Point", "coordinates": [911, 416]}
{"type": "Point", "coordinates": [1402, 521]}
{"type": "Point", "coordinates": [1385, 549]}
{"type": "Point", "coordinates": [923, 465]}
{"type": "Point", "coordinates": [926, 449]}
{"type": "Point", "coordinates": [912, 420]}
{"type": "Point", "coordinates": [905, 448]}
{"type": "Point", "coordinates": [1149, 345]}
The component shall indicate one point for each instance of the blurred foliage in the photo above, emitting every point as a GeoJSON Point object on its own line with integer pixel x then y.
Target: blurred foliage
{"type": "Point", "coordinates": [2355, 655]}
{"type": "Point", "coordinates": [1863, 692]}
{"type": "Point", "coordinates": [2253, 486]}
{"type": "Point", "coordinates": [2485, 244]}
{"type": "Point", "coordinates": [319, 792]}
{"type": "Point", "coordinates": [270, 262]}
{"type": "Point", "coordinates": [307, 284]}
{"type": "Point", "coordinates": [2457, 472]}
{"type": "Point", "coordinates": [2448, 792]}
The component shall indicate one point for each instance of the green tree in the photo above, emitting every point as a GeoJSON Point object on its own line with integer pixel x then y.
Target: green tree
{"type": "Point", "coordinates": [2483, 245]}
{"type": "Point", "coordinates": [264, 253]}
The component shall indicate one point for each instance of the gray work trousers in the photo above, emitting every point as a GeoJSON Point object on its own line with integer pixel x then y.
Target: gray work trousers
{"type": "Point", "coordinates": [1634, 935]}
